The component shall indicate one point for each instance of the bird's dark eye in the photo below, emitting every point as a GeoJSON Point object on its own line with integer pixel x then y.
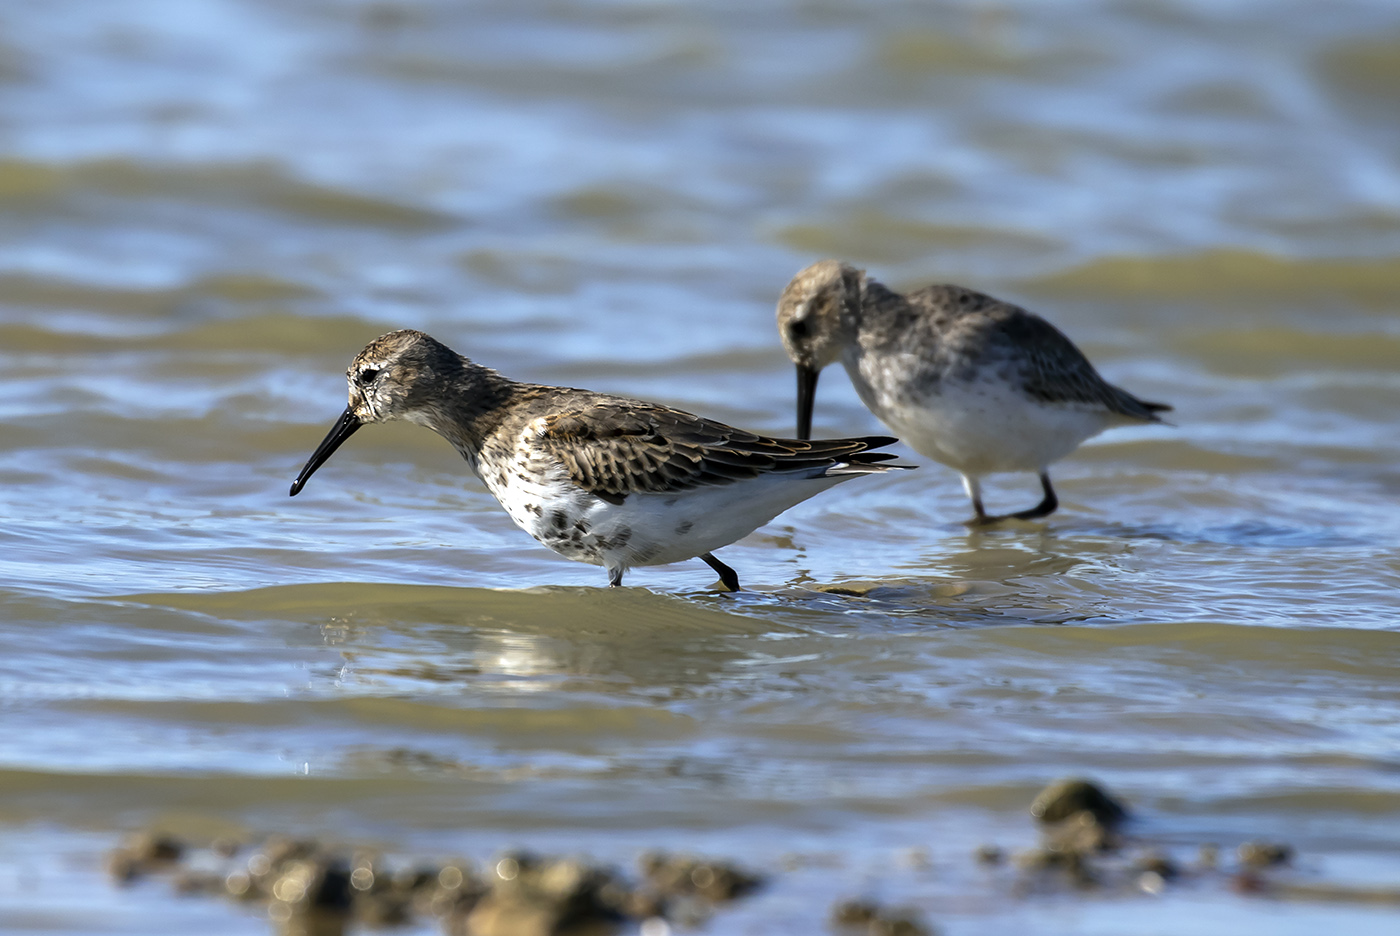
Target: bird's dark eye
{"type": "Point", "coordinates": [366, 377]}
{"type": "Point", "coordinates": [798, 328]}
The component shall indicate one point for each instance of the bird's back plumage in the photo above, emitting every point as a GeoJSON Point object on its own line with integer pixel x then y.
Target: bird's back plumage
{"type": "Point", "coordinates": [612, 446]}
{"type": "Point", "coordinates": [960, 334]}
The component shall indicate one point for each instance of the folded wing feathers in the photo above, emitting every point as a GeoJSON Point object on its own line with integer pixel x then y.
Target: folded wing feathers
{"type": "Point", "coordinates": [1058, 372]}
{"type": "Point", "coordinates": [618, 448]}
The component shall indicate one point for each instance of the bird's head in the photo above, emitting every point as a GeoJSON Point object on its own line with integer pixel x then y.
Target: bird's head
{"type": "Point", "coordinates": [817, 318]}
{"type": "Point", "coordinates": [400, 375]}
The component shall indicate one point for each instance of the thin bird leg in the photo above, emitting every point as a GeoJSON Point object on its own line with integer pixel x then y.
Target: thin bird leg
{"type": "Point", "coordinates": [727, 576]}
{"type": "Point", "coordinates": [615, 577]}
{"type": "Point", "coordinates": [1046, 507]}
{"type": "Point", "coordinates": [974, 493]}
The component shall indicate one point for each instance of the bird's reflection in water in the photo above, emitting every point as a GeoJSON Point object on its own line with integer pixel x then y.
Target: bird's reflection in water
{"type": "Point", "coordinates": [579, 639]}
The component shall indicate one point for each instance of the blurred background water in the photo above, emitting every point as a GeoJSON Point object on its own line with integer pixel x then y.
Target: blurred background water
{"type": "Point", "coordinates": [208, 206]}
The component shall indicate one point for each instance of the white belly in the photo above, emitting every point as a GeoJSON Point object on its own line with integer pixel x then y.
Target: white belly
{"type": "Point", "coordinates": [648, 529]}
{"type": "Point", "coordinates": [984, 426]}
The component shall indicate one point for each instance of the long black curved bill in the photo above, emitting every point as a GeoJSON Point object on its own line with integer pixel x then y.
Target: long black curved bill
{"type": "Point", "coordinates": [806, 397]}
{"type": "Point", "coordinates": [343, 429]}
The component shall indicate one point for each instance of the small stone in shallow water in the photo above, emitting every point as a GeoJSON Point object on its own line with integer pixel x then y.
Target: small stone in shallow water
{"type": "Point", "coordinates": [1264, 854]}
{"type": "Point", "coordinates": [683, 875]}
{"type": "Point", "coordinates": [191, 881]}
{"type": "Point", "coordinates": [1154, 861]}
{"type": "Point", "coordinates": [142, 854]}
{"type": "Point", "coordinates": [1064, 798]}
{"type": "Point", "coordinates": [869, 918]}
{"type": "Point", "coordinates": [533, 896]}
{"type": "Point", "coordinates": [854, 912]}
{"type": "Point", "coordinates": [989, 855]}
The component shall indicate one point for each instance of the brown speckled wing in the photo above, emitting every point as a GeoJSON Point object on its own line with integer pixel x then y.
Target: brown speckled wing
{"type": "Point", "coordinates": [614, 447]}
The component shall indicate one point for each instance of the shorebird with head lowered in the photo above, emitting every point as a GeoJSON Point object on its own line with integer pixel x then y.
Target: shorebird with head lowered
{"type": "Point", "coordinates": [600, 479]}
{"type": "Point", "coordinates": [980, 385]}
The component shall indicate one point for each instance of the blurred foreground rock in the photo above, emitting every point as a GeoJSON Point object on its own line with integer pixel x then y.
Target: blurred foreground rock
{"type": "Point", "coordinates": [314, 889]}
{"type": "Point", "coordinates": [867, 918]}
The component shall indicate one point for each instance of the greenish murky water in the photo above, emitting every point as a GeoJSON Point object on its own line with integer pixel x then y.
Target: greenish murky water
{"type": "Point", "coordinates": [208, 206]}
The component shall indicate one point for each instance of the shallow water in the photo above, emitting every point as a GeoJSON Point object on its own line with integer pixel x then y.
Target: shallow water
{"type": "Point", "coordinates": [209, 207]}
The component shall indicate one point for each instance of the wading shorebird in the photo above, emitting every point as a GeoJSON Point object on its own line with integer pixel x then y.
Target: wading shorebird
{"type": "Point", "coordinates": [597, 478]}
{"type": "Point", "coordinates": [980, 385]}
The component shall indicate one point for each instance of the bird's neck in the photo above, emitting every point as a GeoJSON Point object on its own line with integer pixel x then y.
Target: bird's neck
{"type": "Point", "coordinates": [475, 401]}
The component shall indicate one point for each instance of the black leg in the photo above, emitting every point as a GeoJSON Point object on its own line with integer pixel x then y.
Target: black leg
{"type": "Point", "coordinates": [981, 519]}
{"type": "Point", "coordinates": [1046, 507]}
{"type": "Point", "coordinates": [727, 576]}
{"type": "Point", "coordinates": [615, 578]}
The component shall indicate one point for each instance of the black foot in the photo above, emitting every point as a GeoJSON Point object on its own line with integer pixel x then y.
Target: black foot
{"type": "Point", "coordinates": [983, 519]}
{"type": "Point", "coordinates": [974, 490]}
{"type": "Point", "coordinates": [727, 576]}
{"type": "Point", "coordinates": [1045, 508]}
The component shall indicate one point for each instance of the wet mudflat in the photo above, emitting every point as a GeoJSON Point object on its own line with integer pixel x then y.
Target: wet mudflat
{"type": "Point", "coordinates": [208, 208]}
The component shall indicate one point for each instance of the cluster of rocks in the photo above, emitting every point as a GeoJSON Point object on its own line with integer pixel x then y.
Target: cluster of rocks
{"type": "Point", "coordinates": [1083, 846]}
{"type": "Point", "coordinates": [311, 889]}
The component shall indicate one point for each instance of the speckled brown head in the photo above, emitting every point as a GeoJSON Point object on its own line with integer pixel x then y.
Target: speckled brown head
{"type": "Point", "coordinates": [817, 315]}
{"type": "Point", "coordinates": [400, 375]}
